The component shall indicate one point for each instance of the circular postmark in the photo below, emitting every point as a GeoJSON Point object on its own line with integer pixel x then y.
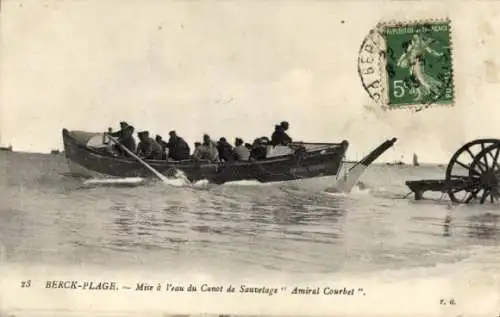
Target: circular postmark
{"type": "Point", "coordinates": [370, 57]}
{"type": "Point", "coordinates": [409, 64]}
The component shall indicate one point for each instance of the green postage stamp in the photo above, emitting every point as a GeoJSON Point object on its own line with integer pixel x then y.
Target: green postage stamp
{"type": "Point", "coordinates": [408, 64]}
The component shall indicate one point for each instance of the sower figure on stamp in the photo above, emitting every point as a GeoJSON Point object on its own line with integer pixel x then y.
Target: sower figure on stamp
{"type": "Point", "coordinates": [412, 59]}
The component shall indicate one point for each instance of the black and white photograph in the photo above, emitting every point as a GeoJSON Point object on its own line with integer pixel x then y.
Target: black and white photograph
{"type": "Point", "coordinates": [249, 158]}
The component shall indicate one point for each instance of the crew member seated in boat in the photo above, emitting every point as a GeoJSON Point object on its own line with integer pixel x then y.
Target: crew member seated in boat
{"type": "Point", "coordinates": [275, 137]}
{"type": "Point", "coordinates": [241, 152]}
{"type": "Point", "coordinates": [178, 149]}
{"type": "Point", "coordinates": [280, 137]}
{"type": "Point", "coordinates": [225, 150]}
{"type": "Point", "coordinates": [207, 150]}
{"type": "Point", "coordinates": [196, 149]}
{"type": "Point", "coordinates": [126, 137]}
{"type": "Point", "coordinates": [259, 149]}
{"type": "Point", "coordinates": [148, 148]}
{"type": "Point", "coordinates": [164, 147]}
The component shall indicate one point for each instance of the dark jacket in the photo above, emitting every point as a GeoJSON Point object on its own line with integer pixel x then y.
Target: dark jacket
{"type": "Point", "coordinates": [258, 152]}
{"type": "Point", "coordinates": [280, 137]}
{"type": "Point", "coordinates": [178, 149]}
{"type": "Point", "coordinates": [225, 151]}
{"type": "Point", "coordinates": [126, 138]}
{"type": "Point", "coordinates": [149, 149]}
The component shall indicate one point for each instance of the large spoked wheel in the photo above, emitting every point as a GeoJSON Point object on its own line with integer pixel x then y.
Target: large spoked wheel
{"type": "Point", "coordinates": [487, 166]}
{"type": "Point", "coordinates": [464, 172]}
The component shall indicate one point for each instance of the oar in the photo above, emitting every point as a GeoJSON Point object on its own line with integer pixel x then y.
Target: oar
{"type": "Point", "coordinates": [149, 167]}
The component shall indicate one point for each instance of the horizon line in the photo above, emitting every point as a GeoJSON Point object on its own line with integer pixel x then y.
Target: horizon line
{"type": "Point", "coordinates": [347, 160]}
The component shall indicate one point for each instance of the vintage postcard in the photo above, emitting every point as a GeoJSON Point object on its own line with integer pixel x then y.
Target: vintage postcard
{"type": "Point", "coordinates": [249, 158]}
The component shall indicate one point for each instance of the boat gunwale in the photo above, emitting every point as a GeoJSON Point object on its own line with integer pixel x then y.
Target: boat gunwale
{"type": "Point", "coordinates": [189, 163]}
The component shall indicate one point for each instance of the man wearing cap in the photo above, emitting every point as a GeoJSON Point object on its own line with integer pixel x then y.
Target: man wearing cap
{"type": "Point", "coordinates": [280, 137]}
{"type": "Point", "coordinates": [225, 150]}
{"type": "Point", "coordinates": [148, 148]}
{"type": "Point", "coordinates": [125, 137]}
{"type": "Point", "coordinates": [178, 149]}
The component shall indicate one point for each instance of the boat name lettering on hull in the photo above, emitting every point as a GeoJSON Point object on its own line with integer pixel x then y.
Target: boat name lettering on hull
{"type": "Point", "coordinates": [312, 168]}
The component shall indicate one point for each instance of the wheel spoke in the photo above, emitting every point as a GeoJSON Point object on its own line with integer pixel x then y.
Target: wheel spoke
{"type": "Point", "coordinates": [486, 162]}
{"type": "Point", "coordinates": [495, 193]}
{"type": "Point", "coordinates": [485, 158]}
{"type": "Point", "coordinates": [468, 167]}
{"type": "Point", "coordinates": [495, 159]}
{"type": "Point", "coordinates": [481, 166]}
{"type": "Point", "coordinates": [493, 162]}
{"type": "Point", "coordinates": [492, 156]}
{"type": "Point", "coordinates": [485, 195]}
{"type": "Point", "coordinates": [472, 156]}
{"type": "Point", "coordinates": [480, 171]}
{"type": "Point", "coordinates": [469, 198]}
{"type": "Point", "coordinates": [462, 164]}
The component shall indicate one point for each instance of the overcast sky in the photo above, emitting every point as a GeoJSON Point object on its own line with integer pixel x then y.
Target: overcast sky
{"type": "Point", "coordinates": [233, 68]}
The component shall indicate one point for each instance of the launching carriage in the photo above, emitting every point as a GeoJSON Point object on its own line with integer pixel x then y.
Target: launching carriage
{"type": "Point", "coordinates": [472, 175]}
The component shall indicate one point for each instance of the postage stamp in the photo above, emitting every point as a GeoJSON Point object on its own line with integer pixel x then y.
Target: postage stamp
{"type": "Point", "coordinates": [408, 64]}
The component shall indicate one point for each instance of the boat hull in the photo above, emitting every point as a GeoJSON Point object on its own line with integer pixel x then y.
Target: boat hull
{"type": "Point", "coordinates": [86, 161]}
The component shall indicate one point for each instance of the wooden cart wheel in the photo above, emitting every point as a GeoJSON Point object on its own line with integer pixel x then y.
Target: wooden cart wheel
{"type": "Point", "coordinates": [460, 168]}
{"type": "Point", "coordinates": [487, 165]}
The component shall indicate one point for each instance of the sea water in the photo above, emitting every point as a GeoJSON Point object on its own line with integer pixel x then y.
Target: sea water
{"type": "Point", "coordinates": [293, 233]}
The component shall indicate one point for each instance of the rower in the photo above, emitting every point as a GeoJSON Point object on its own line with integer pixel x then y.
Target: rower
{"type": "Point", "coordinates": [125, 137]}
{"type": "Point", "coordinates": [178, 148]}
{"type": "Point", "coordinates": [225, 150]}
{"type": "Point", "coordinates": [259, 149]}
{"type": "Point", "coordinates": [148, 148]}
{"type": "Point", "coordinates": [207, 150]}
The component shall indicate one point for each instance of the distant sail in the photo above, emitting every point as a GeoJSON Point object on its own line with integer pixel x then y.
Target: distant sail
{"type": "Point", "coordinates": [415, 160]}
